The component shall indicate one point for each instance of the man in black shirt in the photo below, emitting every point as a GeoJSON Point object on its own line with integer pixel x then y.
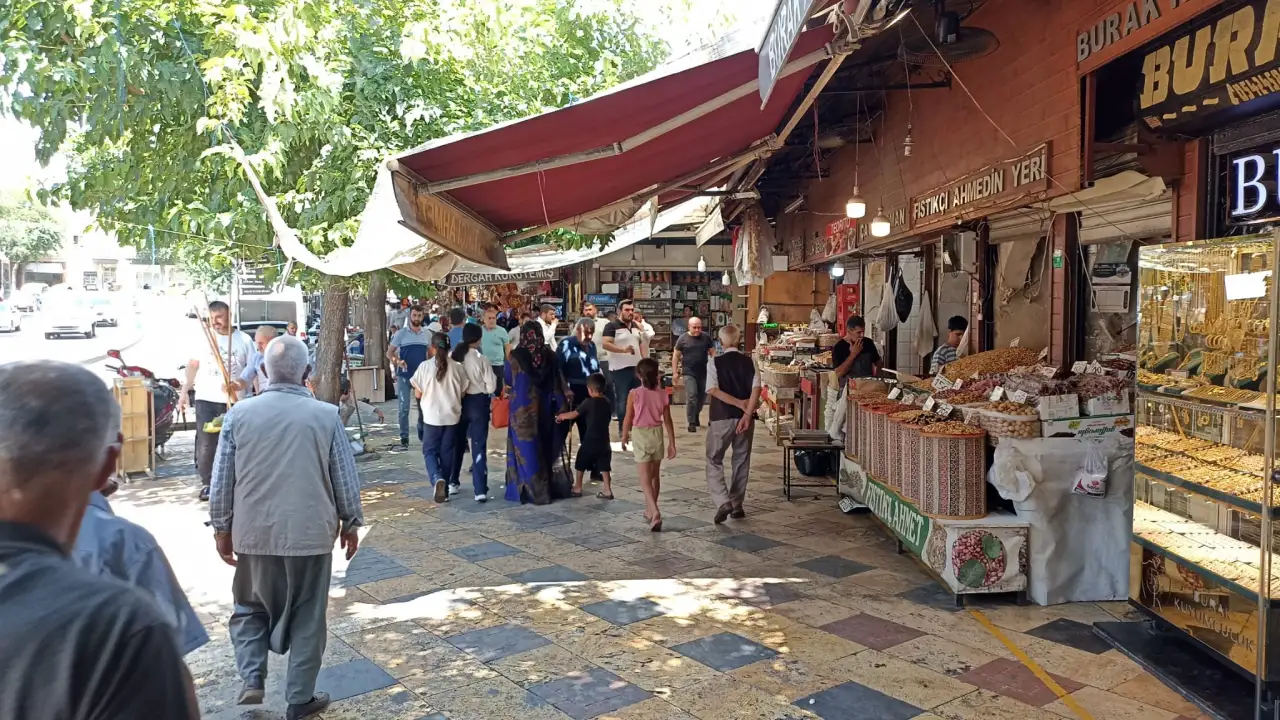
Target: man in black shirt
{"type": "Point", "coordinates": [73, 645]}
{"type": "Point", "coordinates": [856, 355]}
{"type": "Point", "coordinates": [689, 360]}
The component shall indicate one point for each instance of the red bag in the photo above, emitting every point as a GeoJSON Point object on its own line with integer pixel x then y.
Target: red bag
{"type": "Point", "coordinates": [500, 412]}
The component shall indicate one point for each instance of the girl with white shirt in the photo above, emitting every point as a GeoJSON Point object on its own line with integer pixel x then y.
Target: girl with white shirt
{"type": "Point", "coordinates": [440, 385]}
{"type": "Point", "coordinates": [473, 427]}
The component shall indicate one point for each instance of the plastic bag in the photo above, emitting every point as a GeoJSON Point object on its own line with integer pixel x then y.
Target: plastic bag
{"type": "Point", "coordinates": [829, 310]}
{"type": "Point", "coordinates": [903, 299]}
{"type": "Point", "coordinates": [888, 319]}
{"type": "Point", "coordinates": [836, 414]}
{"type": "Point", "coordinates": [815, 321]}
{"type": "Point", "coordinates": [1091, 479]}
{"type": "Point", "coordinates": [1009, 477]}
{"type": "Point", "coordinates": [763, 317]}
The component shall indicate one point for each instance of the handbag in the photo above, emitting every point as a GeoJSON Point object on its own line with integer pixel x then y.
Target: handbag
{"type": "Point", "coordinates": [903, 299]}
{"type": "Point", "coordinates": [500, 412]}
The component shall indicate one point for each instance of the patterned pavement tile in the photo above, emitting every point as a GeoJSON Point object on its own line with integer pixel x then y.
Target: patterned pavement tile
{"type": "Point", "coordinates": [933, 596]}
{"type": "Point", "coordinates": [600, 540]}
{"type": "Point", "coordinates": [769, 594]}
{"type": "Point", "coordinates": [370, 566]}
{"type": "Point", "coordinates": [668, 564]}
{"type": "Point", "coordinates": [541, 520]}
{"type": "Point", "coordinates": [496, 699]}
{"type": "Point", "coordinates": [390, 703]}
{"type": "Point", "coordinates": [1072, 634]}
{"type": "Point", "coordinates": [872, 631]}
{"type": "Point", "coordinates": [484, 551]}
{"type": "Point", "coordinates": [681, 523]}
{"type": "Point", "coordinates": [353, 678]}
{"type": "Point", "coordinates": [541, 665]}
{"type": "Point", "coordinates": [725, 651]}
{"type": "Point", "coordinates": [853, 701]}
{"type": "Point", "coordinates": [941, 656]}
{"type": "Point", "coordinates": [618, 507]}
{"type": "Point", "coordinates": [1012, 679]}
{"type": "Point", "coordinates": [625, 612]}
{"type": "Point", "coordinates": [748, 542]}
{"type": "Point", "coordinates": [498, 642]}
{"type": "Point", "coordinates": [549, 574]}
{"type": "Point", "coordinates": [589, 695]}
{"type": "Point", "coordinates": [834, 566]}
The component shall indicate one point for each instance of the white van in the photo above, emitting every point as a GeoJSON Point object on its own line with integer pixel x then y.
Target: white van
{"type": "Point", "coordinates": [275, 309]}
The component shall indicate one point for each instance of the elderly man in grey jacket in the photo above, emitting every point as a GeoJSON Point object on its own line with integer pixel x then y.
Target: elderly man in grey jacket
{"type": "Point", "coordinates": [284, 489]}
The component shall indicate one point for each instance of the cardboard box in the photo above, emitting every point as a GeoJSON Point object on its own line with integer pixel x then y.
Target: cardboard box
{"type": "Point", "coordinates": [1087, 427]}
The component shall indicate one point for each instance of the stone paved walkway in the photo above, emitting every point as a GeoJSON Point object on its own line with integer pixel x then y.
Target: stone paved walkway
{"type": "Point", "coordinates": [575, 610]}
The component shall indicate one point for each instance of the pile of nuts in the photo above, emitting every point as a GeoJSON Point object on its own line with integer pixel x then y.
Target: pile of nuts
{"type": "Point", "coordinates": [1010, 408]}
{"type": "Point", "coordinates": [915, 417]}
{"type": "Point", "coordinates": [960, 397]}
{"type": "Point", "coordinates": [1000, 360]}
{"type": "Point", "coordinates": [995, 419]}
{"type": "Point", "coordinates": [953, 428]}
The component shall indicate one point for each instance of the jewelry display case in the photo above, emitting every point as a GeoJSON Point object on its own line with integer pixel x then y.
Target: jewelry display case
{"type": "Point", "coordinates": [1203, 507]}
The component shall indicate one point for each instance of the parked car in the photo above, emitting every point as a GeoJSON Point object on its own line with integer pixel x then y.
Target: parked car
{"type": "Point", "coordinates": [28, 297]}
{"type": "Point", "coordinates": [10, 318]}
{"type": "Point", "coordinates": [68, 312]}
{"type": "Point", "coordinates": [104, 309]}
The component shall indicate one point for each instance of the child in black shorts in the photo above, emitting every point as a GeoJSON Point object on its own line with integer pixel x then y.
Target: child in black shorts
{"type": "Point", "coordinates": [595, 455]}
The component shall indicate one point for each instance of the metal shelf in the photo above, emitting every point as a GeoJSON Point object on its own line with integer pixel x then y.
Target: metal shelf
{"type": "Point", "coordinates": [1195, 487]}
{"type": "Point", "coordinates": [1201, 404]}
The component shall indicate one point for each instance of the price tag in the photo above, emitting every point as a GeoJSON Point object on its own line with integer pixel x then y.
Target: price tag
{"type": "Point", "coordinates": [956, 385]}
{"type": "Point", "coordinates": [1059, 407]}
{"type": "Point", "coordinates": [1016, 342]}
{"type": "Point", "coordinates": [1018, 396]}
{"type": "Point", "coordinates": [908, 398]}
{"type": "Point", "coordinates": [944, 410]}
{"type": "Point", "coordinates": [895, 393]}
{"type": "Point", "coordinates": [1044, 354]}
{"type": "Point", "coordinates": [941, 383]}
{"type": "Point", "coordinates": [1079, 367]}
{"type": "Point", "coordinates": [928, 404]}
{"type": "Point", "coordinates": [997, 395]}
{"type": "Point", "coordinates": [967, 414]}
{"type": "Point", "coordinates": [974, 376]}
{"type": "Point", "coordinates": [1048, 372]}
{"type": "Point", "coordinates": [1096, 369]}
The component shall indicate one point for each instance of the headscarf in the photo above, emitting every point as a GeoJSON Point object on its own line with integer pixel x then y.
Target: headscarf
{"type": "Point", "coordinates": [532, 353]}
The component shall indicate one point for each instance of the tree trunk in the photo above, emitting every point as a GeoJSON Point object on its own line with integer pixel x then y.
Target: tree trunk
{"type": "Point", "coordinates": [375, 322]}
{"type": "Point", "coordinates": [332, 343]}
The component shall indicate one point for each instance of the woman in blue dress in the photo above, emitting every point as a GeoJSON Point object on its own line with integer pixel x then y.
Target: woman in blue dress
{"type": "Point", "coordinates": [536, 394]}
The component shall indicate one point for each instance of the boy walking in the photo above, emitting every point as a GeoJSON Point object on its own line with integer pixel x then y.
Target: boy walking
{"type": "Point", "coordinates": [595, 455]}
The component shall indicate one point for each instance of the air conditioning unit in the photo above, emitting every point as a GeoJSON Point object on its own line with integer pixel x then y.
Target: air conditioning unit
{"type": "Point", "coordinates": [960, 251]}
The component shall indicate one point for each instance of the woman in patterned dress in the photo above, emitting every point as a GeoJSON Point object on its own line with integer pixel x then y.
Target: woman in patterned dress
{"type": "Point", "coordinates": [535, 393]}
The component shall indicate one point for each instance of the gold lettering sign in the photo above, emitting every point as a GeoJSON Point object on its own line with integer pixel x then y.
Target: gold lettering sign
{"type": "Point", "coordinates": [1129, 24]}
{"type": "Point", "coordinates": [448, 225]}
{"type": "Point", "coordinates": [1228, 60]}
{"type": "Point", "coordinates": [984, 190]}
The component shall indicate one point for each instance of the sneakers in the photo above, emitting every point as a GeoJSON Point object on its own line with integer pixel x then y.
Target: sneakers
{"type": "Point", "coordinates": [251, 694]}
{"type": "Point", "coordinates": [481, 497]}
{"type": "Point", "coordinates": [319, 702]}
{"type": "Point", "coordinates": [402, 447]}
{"type": "Point", "coordinates": [738, 514]}
{"type": "Point", "coordinates": [204, 494]}
{"type": "Point", "coordinates": [442, 492]}
{"type": "Point", "coordinates": [693, 428]}
{"type": "Point", "coordinates": [454, 490]}
{"type": "Point", "coordinates": [722, 512]}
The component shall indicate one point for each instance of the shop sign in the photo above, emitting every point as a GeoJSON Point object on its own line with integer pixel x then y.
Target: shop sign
{"type": "Point", "coordinates": [789, 17]}
{"type": "Point", "coordinates": [1129, 24]}
{"type": "Point", "coordinates": [1253, 186]}
{"type": "Point", "coordinates": [984, 189]}
{"type": "Point", "coordinates": [253, 282]}
{"type": "Point", "coordinates": [1212, 67]}
{"type": "Point", "coordinates": [908, 523]}
{"type": "Point", "coordinates": [466, 279]}
{"type": "Point", "coordinates": [841, 236]}
{"type": "Point", "coordinates": [795, 252]}
{"type": "Point", "coordinates": [448, 225]}
{"type": "Point", "coordinates": [816, 248]}
{"type": "Point", "coordinates": [897, 224]}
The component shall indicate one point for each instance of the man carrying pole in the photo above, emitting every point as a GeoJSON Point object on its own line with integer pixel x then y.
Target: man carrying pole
{"type": "Point", "coordinates": [210, 372]}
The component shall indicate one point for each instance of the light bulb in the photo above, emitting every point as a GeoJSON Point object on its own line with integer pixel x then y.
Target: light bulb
{"type": "Point", "coordinates": [907, 144]}
{"type": "Point", "coordinates": [724, 279]}
{"type": "Point", "coordinates": [880, 224]}
{"type": "Point", "coordinates": [855, 207]}
{"type": "Point", "coordinates": [702, 264]}
{"type": "Point", "coordinates": [837, 270]}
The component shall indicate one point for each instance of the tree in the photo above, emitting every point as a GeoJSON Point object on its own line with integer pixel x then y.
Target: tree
{"type": "Point", "coordinates": [375, 321]}
{"type": "Point", "coordinates": [28, 232]}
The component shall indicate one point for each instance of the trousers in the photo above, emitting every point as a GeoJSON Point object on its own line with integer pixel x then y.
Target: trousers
{"type": "Point", "coordinates": [624, 381]}
{"type": "Point", "coordinates": [404, 397]}
{"type": "Point", "coordinates": [206, 443]}
{"type": "Point", "coordinates": [438, 451]}
{"type": "Point", "coordinates": [280, 605]}
{"type": "Point", "coordinates": [722, 435]}
{"type": "Point", "coordinates": [472, 430]}
{"type": "Point", "coordinates": [695, 394]}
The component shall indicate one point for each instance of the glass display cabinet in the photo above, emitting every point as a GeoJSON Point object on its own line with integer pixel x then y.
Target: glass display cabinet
{"type": "Point", "coordinates": [1204, 508]}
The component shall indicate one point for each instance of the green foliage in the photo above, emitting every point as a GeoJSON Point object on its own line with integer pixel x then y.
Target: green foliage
{"type": "Point", "coordinates": [148, 95]}
{"type": "Point", "coordinates": [28, 231]}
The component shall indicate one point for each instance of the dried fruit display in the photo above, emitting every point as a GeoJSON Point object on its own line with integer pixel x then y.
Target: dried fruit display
{"type": "Point", "coordinates": [1000, 360]}
{"type": "Point", "coordinates": [951, 427]}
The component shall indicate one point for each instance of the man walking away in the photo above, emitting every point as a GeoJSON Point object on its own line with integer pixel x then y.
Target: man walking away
{"type": "Point", "coordinates": [625, 342]}
{"type": "Point", "coordinates": [408, 350]}
{"type": "Point", "coordinates": [74, 644]}
{"type": "Point", "coordinates": [734, 387]}
{"type": "Point", "coordinates": [111, 546]}
{"type": "Point", "coordinates": [689, 359]}
{"type": "Point", "coordinates": [947, 353]}
{"type": "Point", "coordinates": [457, 318]}
{"type": "Point", "coordinates": [285, 486]}
{"type": "Point", "coordinates": [213, 389]}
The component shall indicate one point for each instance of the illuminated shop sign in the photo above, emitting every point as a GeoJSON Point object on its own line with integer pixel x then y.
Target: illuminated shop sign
{"type": "Point", "coordinates": [1253, 186]}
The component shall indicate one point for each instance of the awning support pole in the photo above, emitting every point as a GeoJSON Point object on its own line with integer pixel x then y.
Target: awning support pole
{"type": "Point", "coordinates": [631, 143]}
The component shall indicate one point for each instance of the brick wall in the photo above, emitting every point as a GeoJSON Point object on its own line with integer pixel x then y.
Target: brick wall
{"type": "Point", "coordinates": [1029, 87]}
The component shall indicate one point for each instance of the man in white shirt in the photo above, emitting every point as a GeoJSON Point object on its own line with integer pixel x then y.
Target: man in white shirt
{"type": "Point", "coordinates": [626, 344]}
{"type": "Point", "coordinates": [548, 320]}
{"type": "Point", "coordinates": [214, 390]}
{"type": "Point", "coordinates": [644, 326]}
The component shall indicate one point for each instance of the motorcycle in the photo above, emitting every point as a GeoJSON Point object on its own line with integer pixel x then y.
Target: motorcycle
{"type": "Point", "coordinates": [164, 395]}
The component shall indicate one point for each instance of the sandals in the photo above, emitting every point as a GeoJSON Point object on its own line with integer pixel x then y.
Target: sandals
{"type": "Point", "coordinates": [601, 496]}
{"type": "Point", "coordinates": [575, 494]}
{"type": "Point", "coordinates": [657, 525]}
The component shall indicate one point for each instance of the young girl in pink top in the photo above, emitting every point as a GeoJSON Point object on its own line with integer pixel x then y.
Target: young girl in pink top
{"type": "Point", "coordinates": [648, 412]}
